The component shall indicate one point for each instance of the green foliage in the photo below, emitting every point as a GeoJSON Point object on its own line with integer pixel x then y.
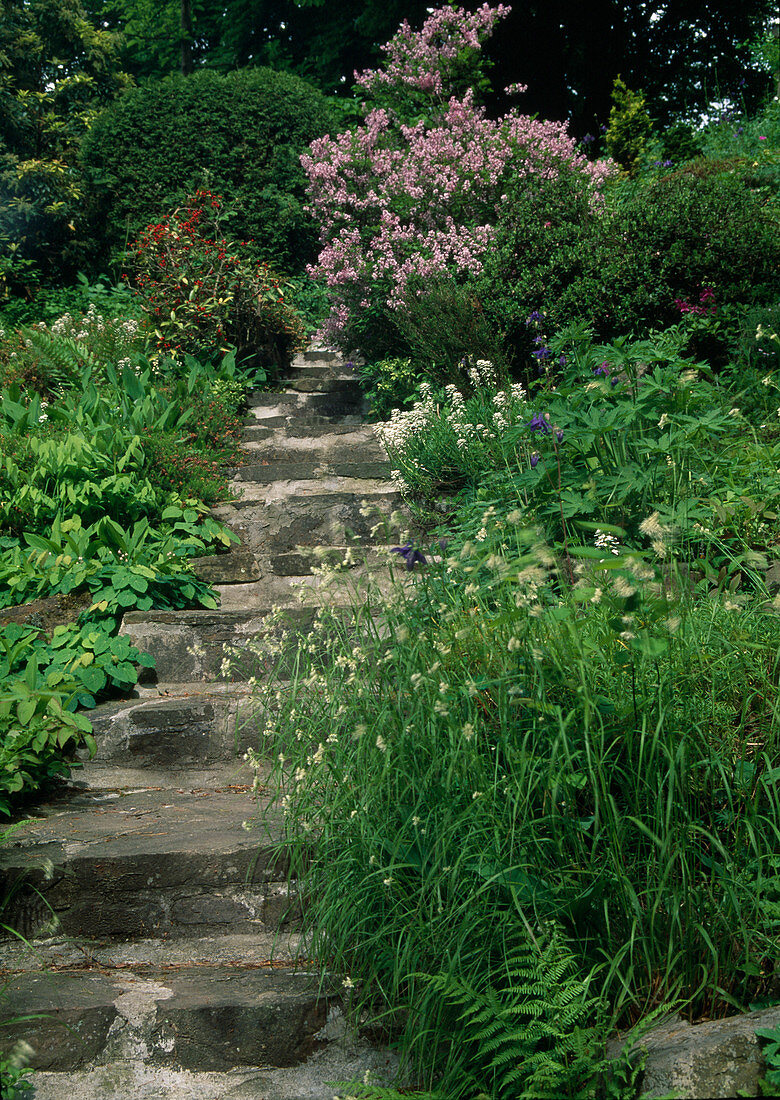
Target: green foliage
{"type": "Point", "coordinates": [525, 1031]}
{"type": "Point", "coordinates": [659, 239]}
{"type": "Point", "coordinates": [769, 1084]}
{"type": "Point", "coordinates": [15, 1083]}
{"type": "Point", "coordinates": [629, 128]}
{"type": "Point", "coordinates": [239, 134]}
{"type": "Point", "coordinates": [389, 384]}
{"type": "Point", "coordinates": [36, 723]}
{"type": "Point", "coordinates": [59, 70]}
{"type": "Point", "coordinates": [44, 304]}
{"type": "Point", "coordinates": [569, 718]}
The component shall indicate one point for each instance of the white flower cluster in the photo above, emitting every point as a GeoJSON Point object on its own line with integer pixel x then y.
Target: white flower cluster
{"type": "Point", "coordinates": [605, 541]}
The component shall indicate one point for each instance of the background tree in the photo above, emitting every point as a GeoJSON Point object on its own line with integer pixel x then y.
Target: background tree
{"type": "Point", "coordinates": [683, 54]}
{"type": "Point", "coordinates": [58, 70]}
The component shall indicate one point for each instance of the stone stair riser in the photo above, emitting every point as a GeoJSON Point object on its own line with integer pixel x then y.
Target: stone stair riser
{"type": "Point", "coordinates": [214, 1018]}
{"type": "Point", "coordinates": [268, 472]}
{"type": "Point", "coordinates": [194, 650]}
{"type": "Point", "coordinates": [174, 732]}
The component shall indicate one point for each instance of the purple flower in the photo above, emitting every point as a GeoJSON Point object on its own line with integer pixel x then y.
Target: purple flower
{"type": "Point", "coordinates": [561, 360]}
{"type": "Point", "coordinates": [534, 460]}
{"type": "Point", "coordinates": [410, 555]}
{"type": "Point", "coordinates": [542, 354]}
{"type": "Point", "coordinates": [559, 435]}
{"type": "Point", "coordinates": [538, 424]}
{"type": "Point", "coordinates": [535, 318]}
{"type": "Point", "coordinates": [603, 369]}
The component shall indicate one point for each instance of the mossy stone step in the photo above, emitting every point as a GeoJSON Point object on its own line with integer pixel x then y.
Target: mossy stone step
{"type": "Point", "coordinates": [312, 469]}
{"type": "Point", "coordinates": [190, 1017]}
{"type": "Point", "coordinates": [130, 863]}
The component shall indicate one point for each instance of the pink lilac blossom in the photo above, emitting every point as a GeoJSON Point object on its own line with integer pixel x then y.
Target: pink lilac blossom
{"type": "Point", "coordinates": [400, 203]}
{"type": "Point", "coordinates": [421, 59]}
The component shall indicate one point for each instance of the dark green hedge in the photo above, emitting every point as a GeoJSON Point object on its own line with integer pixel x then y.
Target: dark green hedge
{"type": "Point", "coordinates": [660, 238]}
{"type": "Point", "coordinates": [238, 134]}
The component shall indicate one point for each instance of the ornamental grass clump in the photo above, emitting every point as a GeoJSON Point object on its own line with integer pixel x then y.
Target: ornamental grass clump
{"type": "Point", "coordinates": [495, 758]}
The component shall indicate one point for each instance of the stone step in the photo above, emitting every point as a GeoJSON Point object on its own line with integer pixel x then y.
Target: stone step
{"type": "Point", "coordinates": [190, 646]}
{"type": "Point", "coordinates": [338, 444]}
{"type": "Point", "coordinates": [319, 368]}
{"type": "Point", "coordinates": [282, 516]}
{"type": "Point", "coordinates": [206, 1018]}
{"type": "Point", "coordinates": [324, 487]}
{"type": "Point", "coordinates": [303, 560]}
{"type": "Point", "coordinates": [236, 566]}
{"type": "Point", "coordinates": [317, 356]}
{"type": "Point", "coordinates": [59, 952]}
{"type": "Point", "coordinates": [191, 724]}
{"type": "Point", "coordinates": [322, 383]}
{"type": "Point", "coordinates": [147, 853]}
{"type": "Point", "coordinates": [312, 469]}
{"type": "Point", "coordinates": [337, 586]}
{"type": "Point", "coordinates": [347, 399]}
{"type": "Point", "coordinates": [344, 1059]}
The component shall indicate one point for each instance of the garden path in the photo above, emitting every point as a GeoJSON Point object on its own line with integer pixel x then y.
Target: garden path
{"type": "Point", "coordinates": [174, 968]}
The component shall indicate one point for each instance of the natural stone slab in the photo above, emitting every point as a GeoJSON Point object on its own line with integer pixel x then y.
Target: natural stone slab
{"type": "Point", "coordinates": [237, 566]}
{"type": "Point", "coordinates": [265, 399]}
{"type": "Point", "coordinates": [332, 519]}
{"type": "Point", "coordinates": [130, 864]}
{"type": "Point", "coordinates": [253, 949]}
{"type": "Point", "coordinates": [191, 645]}
{"type": "Point", "coordinates": [326, 488]}
{"type": "Point", "coordinates": [346, 445]}
{"type": "Point", "coordinates": [314, 469]}
{"type": "Point", "coordinates": [333, 384]}
{"type": "Point", "coordinates": [317, 355]}
{"type": "Point", "coordinates": [192, 728]}
{"type": "Point", "coordinates": [720, 1058]}
{"type": "Point", "coordinates": [125, 1079]}
{"type": "Point", "coordinates": [204, 1018]}
{"type": "Point", "coordinates": [45, 614]}
{"type": "Point", "coordinates": [297, 563]}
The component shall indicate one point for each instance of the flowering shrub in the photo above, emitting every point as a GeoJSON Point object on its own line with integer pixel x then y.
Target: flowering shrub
{"type": "Point", "coordinates": [414, 193]}
{"type": "Point", "coordinates": [202, 293]}
{"type": "Point", "coordinates": [443, 441]}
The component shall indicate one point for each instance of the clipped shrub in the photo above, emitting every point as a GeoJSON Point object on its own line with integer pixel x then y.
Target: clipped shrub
{"type": "Point", "coordinates": [239, 134]}
{"type": "Point", "coordinates": [202, 292]}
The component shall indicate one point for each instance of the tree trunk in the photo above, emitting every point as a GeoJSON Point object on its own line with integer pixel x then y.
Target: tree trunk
{"type": "Point", "coordinates": [186, 37]}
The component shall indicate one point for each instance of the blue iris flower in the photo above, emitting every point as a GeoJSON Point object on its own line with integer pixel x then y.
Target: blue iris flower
{"type": "Point", "coordinates": [410, 555]}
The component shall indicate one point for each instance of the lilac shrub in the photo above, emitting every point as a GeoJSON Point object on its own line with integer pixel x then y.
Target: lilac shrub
{"type": "Point", "coordinates": [414, 193]}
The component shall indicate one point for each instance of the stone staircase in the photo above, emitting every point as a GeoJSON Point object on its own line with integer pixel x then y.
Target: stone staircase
{"type": "Point", "coordinates": [173, 969]}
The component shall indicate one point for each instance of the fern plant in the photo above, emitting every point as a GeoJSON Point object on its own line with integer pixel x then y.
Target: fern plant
{"type": "Point", "coordinates": [59, 360]}
{"type": "Point", "coordinates": [526, 1030]}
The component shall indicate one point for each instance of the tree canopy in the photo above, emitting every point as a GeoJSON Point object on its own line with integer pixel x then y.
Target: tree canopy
{"type": "Point", "coordinates": [681, 53]}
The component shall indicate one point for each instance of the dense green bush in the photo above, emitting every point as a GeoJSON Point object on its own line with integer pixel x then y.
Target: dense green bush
{"type": "Point", "coordinates": [239, 134]}
{"type": "Point", "coordinates": [659, 239]}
